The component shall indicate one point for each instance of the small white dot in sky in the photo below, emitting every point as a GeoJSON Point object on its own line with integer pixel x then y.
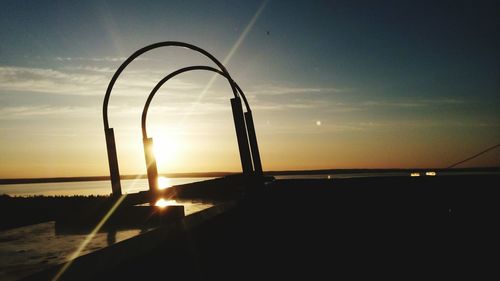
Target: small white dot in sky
{"type": "Point", "coordinates": [318, 123]}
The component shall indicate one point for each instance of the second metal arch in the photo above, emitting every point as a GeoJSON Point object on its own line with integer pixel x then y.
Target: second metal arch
{"type": "Point", "coordinates": [180, 71]}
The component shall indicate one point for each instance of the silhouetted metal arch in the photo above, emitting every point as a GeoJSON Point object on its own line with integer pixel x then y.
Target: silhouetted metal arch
{"type": "Point", "coordinates": [172, 75]}
{"type": "Point", "coordinates": [243, 123]}
{"type": "Point", "coordinates": [109, 132]}
{"type": "Point", "coordinates": [149, 48]}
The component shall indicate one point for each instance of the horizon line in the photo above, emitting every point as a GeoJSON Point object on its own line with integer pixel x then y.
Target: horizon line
{"type": "Point", "coordinates": [223, 174]}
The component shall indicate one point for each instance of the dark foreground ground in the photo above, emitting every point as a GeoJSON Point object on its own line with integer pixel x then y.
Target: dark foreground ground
{"type": "Point", "coordinates": [377, 228]}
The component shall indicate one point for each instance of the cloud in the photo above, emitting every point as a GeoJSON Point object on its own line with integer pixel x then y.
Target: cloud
{"type": "Point", "coordinates": [392, 104]}
{"type": "Point", "coordinates": [22, 112]}
{"type": "Point", "coordinates": [415, 102]}
{"type": "Point", "coordinates": [284, 90]}
{"type": "Point", "coordinates": [275, 106]}
{"type": "Point", "coordinates": [445, 101]}
{"type": "Point", "coordinates": [331, 126]}
{"type": "Point", "coordinates": [173, 110]}
{"type": "Point", "coordinates": [90, 69]}
{"type": "Point", "coordinates": [86, 80]}
{"type": "Point", "coordinates": [96, 59]}
{"type": "Point", "coordinates": [327, 126]}
{"type": "Point", "coordinates": [49, 81]}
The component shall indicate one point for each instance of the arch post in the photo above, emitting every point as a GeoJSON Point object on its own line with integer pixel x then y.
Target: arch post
{"type": "Point", "coordinates": [241, 135]}
{"type": "Point", "coordinates": [152, 169]}
{"type": "Point", "coordinates": [252, 137]}
{"type": "Point", "coordinates": [114, 171]}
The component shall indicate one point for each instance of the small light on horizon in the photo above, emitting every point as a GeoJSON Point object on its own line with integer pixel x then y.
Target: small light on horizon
{"type": "Point", "coordinates": [318, 123]}
{"type": "Point", "coordinates": [431, 173]}
{"type": "Point", "coordinates": [415, 174]}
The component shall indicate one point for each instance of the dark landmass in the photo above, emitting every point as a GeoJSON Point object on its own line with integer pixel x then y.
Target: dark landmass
{"type": "Point", "coordinates": [17, 211]}
{"type": "Point", "coordinates": [107, 178]}
{"type": "Point", "coordinates": [375, 227]}
{"type": "Point", "coordinates": [81, 213]}
{"type": "Point", "coordinates": [21, 211]}
{"type": "Point", "coordinates": [371, 171]}
{"type": "Point", "coordinates": [270, 173]}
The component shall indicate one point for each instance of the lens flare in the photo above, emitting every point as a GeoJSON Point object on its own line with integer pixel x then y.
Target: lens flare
{"type": "Point", "coordinates": [162, 203]}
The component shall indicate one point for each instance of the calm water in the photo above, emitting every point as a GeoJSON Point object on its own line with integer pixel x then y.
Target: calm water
{"type": "Point", "coordinates": [29, 249]}
{"type": "Point", "coordinates": [84, 187]}
{"type": "Point", "coordinates": [133, 186]}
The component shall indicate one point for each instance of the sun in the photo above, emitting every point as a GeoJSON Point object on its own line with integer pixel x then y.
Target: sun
{"type": "Point", "coordinates": [166, 150]}
{"type": "Point", "coordinates": [164, 182]}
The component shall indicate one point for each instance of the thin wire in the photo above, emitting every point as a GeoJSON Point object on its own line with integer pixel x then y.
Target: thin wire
{"type": "Point", "coordinates": [474, 156]}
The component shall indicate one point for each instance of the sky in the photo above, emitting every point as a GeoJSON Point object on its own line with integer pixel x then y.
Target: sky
{"type": "Point", "coordinates": [332, 84]}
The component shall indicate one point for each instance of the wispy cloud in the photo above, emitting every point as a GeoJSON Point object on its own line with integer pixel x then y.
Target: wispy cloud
{"type": "Point", "coordinates": [329, 126]}
{"type": "Point", "coordinates": [448, 101]}
{"type": "Point", "coordinates": [33, 111]}
{"type": "Point", "coordinates": [21, 112]}
{"type": "Point", "coordinates": [326, 127]}
{"type": "Point", "coordinates": [87, 81]}
{"type": "Point", "coordinates": [174, 109]}
{"type": "Point", "coordinates": [49, 81]}
{"type": "Point", "coordinates": [90, 69]}
{"type": "Point", "coordinates": [415, 102]}
{"type": "Point", "coordinates": [392, 104]}
{"type": "Point", "coordinates": [284, 89]}
{"type": "Point", "coordinates": [95, 59]}
{"type": "Point", "coordinates": [284, 106]}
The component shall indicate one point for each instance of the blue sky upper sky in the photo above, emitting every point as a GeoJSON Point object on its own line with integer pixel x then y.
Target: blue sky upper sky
{"type": "Point", "coordinates": [333, 84]}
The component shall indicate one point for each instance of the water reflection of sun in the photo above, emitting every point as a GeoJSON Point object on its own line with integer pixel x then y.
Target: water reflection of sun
{"type": "Point", "coordinates": [162, 203]}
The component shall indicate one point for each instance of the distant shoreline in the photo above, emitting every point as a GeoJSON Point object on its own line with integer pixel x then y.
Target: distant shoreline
{"type": "Point", "coordinates": [222, 174]}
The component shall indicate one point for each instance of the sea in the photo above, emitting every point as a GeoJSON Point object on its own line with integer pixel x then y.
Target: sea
{"type": "Point", "coordinates": [86, 188]}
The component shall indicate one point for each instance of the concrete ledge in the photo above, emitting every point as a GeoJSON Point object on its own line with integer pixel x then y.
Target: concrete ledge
{"type": "Point", "coordinates": [90, 266]}
{"type": "Point", "coordinates": [126, 217]}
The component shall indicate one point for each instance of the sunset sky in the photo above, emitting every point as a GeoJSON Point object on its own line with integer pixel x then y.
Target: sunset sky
{"type": "Point", "coordinates": [332, 84]}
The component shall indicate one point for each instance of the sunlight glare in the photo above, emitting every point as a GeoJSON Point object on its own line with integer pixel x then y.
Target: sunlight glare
{"type": "Point", "coordinates": [89, 238]}
{"type": "Point", "coordinates": [164, 182]}
{"type": "Point", "coordinates": [166, 150]}
{"type": "Point", "coordinates": [228, 57]}
{"type": "Point", "coordinates": [162, 203]}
